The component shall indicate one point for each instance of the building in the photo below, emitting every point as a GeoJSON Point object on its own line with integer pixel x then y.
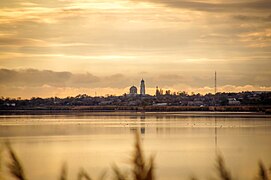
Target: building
{"type": "Point", "coordinates": [233, 101]}
{"type": "Point", "coordinates": [142, 87]}
{"type": "Point", "coordinates": [168, 92]}
{"type": "Point", "coordinates": [157, 93]}
{"type": "Point", "coordinates": [133, 90]}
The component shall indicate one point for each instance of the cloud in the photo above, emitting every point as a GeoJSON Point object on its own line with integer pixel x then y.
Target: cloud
{"type": "Point", "coordinates": [47, 78]}
{"type": "Point", "coordinates": [252, 18]}
{"type": "Point", "coordinates": [32, 77]}
{"type": "Point", "coordinates": [217, 6]}
{"type": "Point", "coordinates": [7, 41]}
{"type": "Point", "coordinates": [50, 91]}
{"type": "Point", "coordinates": [227, 88]}
{"type": "Point", "coordinates": [27, 83]}
{"type": "Point", "coordinates": [257, 38]}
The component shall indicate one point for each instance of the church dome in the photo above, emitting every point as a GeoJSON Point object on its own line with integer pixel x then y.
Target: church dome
{"type": "Point", "coordinates": [133, 90]}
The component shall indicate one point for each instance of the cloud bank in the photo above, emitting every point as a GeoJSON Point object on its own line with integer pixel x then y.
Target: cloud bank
{"type": "Point", "coordinates": [27, 83]}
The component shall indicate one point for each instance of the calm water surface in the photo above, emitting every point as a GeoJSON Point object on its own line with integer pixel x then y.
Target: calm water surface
{"type": "Point", "coordinates": [184, 144]}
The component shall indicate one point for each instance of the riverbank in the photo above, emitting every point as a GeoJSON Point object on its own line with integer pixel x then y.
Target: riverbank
{"type": "Point", "coordinates": [79, 109]}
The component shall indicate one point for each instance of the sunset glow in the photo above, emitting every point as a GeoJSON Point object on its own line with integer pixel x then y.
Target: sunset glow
{"type": "Point", "coordinates": [67, 47]}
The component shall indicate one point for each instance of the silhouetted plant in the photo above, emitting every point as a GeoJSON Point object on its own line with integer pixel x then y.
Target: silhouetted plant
{"type": "Point", "coordinates": [83, 175]}
{"type": "Point", "coordinates": [119, 175]}
{"type": "Point", "coordinates": [141, 170]}
{"type": "Point", "coordinates": [262, 173]}
{"type": "Point", "coordinates": [223, 173]}
{"type": "Point", "coordinates": [15, 167]}
{"type": "Point", "coordinates": [150, 170]}
{"type": "Point", "coordinates": [64, 172]}
{"type": "Point", "coordinates": [193, 178]}
{"type": "Point", "coordinates": [102, 175]}
{"type": "Point", "coordinates": [1, 177]}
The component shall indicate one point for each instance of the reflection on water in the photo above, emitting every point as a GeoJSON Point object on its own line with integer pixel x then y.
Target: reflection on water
{"type": "Point", "coordinates": [184, 144]}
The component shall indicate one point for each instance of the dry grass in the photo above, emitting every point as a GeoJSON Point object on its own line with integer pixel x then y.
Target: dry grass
{"type": "Point", "coordinates": [64, 172]}
{"type": "Point", "coordinates": [263, 173]}
{"type": "Point", "coordinates": [223, 172]}
{"type": "Point", "coordinates": [1, 172]}
{"type": "Point", "coordinates": [83, 175]}
{"type": "Point", "coordinates": [142, 170]}
{"type": "Point", "coordinates": [118, 174]}
{"type": "Point", "coordinates": [15, 167]}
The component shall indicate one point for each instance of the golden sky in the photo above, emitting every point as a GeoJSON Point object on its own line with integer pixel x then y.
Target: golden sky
{"type": "Point", "coordinates": [66, 47]}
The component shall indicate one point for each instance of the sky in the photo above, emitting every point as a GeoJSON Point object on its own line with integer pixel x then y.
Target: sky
{"type": "Point", "coordinates": [70, 47]}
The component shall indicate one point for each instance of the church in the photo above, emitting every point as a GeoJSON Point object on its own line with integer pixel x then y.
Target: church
{"type": "Point", "coordinates": [133, 89]}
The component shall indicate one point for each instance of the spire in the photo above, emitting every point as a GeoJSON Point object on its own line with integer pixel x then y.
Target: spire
{"type": "Point", "coordinates": [142, 87]}
{"type": "Point", "coordinates": [215, 83]}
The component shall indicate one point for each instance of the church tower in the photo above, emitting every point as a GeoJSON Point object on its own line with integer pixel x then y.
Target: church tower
{"type": "Point", "coordinates": [142, 87]}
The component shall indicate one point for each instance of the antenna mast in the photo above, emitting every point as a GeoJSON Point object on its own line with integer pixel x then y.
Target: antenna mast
{"type": "Point", "coordinates": [215, 83]}
{"type": "Point", "coordinates": [215, 115]}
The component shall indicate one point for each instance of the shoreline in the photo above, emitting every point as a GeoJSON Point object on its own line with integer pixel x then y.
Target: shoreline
{"type": "Point", "coordinates": [221, 110]}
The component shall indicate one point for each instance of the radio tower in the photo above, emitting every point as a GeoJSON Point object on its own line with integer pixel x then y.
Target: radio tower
{"type": "Point", "coordinates": [215, 82]}
{"type": "Point", "coordinates": [215, 116]}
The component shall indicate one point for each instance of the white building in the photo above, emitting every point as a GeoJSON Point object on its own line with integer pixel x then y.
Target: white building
{"type": "Point", "coordinates": [233, 101]}
{"type": "Point", "coordinates": [142, 87]}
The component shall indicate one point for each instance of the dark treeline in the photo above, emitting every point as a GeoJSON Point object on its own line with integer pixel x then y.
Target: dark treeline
{"type": "Point", "coordinates": [169, 102]}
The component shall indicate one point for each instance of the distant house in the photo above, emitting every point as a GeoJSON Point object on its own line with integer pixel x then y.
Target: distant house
{"type": "Point", "coordinates": [160, 104]}
{"type": "Point", "coordinates": [10, 104]}
{"type": "Point", "coordinates": [233, 102]}
{"type": "Point", "coordinates": [133, 103]}
{"type": "Point", "coordinates": [103, 103]}
{"type": "Point", "coordinates": [195, 103]}
{"type": "Point", "coordinates": [260, 92]}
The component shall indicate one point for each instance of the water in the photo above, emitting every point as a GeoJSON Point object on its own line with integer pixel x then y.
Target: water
{"type": "Point", "coordinates": [184, 144]}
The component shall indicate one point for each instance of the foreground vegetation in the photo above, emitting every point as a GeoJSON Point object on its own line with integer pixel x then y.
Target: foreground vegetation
{"type": "Point", "coordinates": [142, 168]}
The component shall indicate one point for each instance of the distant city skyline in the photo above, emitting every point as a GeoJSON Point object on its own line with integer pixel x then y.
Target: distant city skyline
{"type": "Point", "coordinates": [64, 48]}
